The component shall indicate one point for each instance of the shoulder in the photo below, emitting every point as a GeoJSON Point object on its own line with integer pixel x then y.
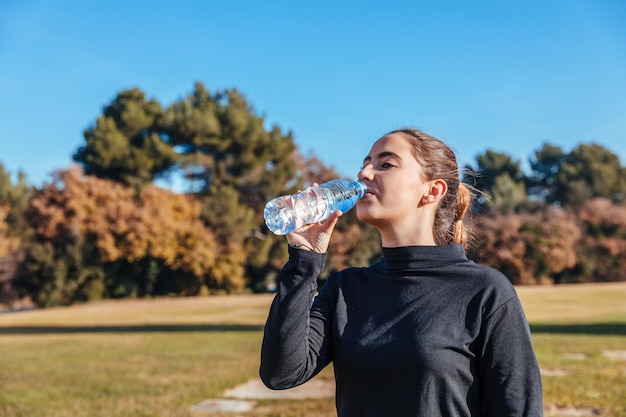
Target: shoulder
{"type": "Point", "coordinates": [488, 288]}
{"type": "Point", "coordinates": [487, 277]}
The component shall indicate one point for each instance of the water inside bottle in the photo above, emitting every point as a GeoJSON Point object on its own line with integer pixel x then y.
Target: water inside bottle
{"type": "Point", "coordinates": [278, 217]}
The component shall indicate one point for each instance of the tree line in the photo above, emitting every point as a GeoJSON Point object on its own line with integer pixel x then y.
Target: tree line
{"type": "Point", "coordinates": [106, 227]}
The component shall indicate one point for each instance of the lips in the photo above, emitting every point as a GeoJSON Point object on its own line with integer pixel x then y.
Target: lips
{"type": "Point", "coordinates": [368, 194]}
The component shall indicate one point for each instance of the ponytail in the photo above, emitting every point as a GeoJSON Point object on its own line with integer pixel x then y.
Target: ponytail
{"type": "Point", "coordinates": [464, 199]}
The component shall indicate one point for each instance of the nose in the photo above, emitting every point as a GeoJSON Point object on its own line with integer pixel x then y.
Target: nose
{"type": "Point", "coordinates": [366, 172]}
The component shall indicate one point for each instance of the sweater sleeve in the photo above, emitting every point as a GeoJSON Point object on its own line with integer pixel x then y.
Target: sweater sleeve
{"type": "Point", "coordinates": [295, 344]}
{"type": "Point", "coordinates": [511, 382]}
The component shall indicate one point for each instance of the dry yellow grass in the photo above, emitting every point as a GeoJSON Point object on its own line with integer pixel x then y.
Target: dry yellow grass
{"type": "Point", "coordinates": [580, 303]}
{"type": "Point", "coordinates": [235, 309]}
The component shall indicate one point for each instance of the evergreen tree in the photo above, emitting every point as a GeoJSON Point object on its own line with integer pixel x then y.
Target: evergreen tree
{"type": "Point", "coordinates": [126, 145]}
{"type": "Point", "coordinates": [589, 171]}
{"type": "Point", "coordinates": [221, 141]}
{"type": "Point", "coordinates": [15, 196]}
{"type": "Point", "coordinates": [500, 179]}
{"type": "Point", "coordinates": [542, 180]}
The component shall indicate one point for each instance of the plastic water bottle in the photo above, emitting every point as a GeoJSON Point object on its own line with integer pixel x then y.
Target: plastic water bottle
{"type": "Point", "coordinates": [287, 213]}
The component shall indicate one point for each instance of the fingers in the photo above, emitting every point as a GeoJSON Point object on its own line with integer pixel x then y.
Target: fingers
{"type": "Point", "coordinates": [315, 236]}
{"type": "Point", "coordinates": [328, 226]}
{"type": "Point", "coordinates": [330, 223]}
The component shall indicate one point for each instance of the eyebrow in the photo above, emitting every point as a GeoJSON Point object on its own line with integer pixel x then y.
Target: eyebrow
{"type": "Point", "coordinates": [382, 155]}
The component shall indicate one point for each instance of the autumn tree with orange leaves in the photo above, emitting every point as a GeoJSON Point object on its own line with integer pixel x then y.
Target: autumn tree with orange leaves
{"type": "Point", "coordinates": [99, 238]}
{"type": "Point", "coordinates": [529, 248]}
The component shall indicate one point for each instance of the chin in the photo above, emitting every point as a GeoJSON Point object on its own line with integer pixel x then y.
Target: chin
{"type": "Point", "coordinates": [365, 217]}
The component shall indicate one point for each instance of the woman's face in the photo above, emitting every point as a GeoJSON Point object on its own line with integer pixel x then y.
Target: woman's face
{"type": "Point", "coordinates": [394, 181]}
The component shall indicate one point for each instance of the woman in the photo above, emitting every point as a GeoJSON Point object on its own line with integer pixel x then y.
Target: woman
{"type": "Point", "coordinates": [425, 331]}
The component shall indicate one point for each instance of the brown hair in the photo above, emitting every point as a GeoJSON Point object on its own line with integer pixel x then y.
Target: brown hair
{"type": "Point", "coordinates": [439, 161]}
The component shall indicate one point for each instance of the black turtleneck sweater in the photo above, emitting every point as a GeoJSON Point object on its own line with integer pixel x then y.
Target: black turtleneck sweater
{"type": "Point", "coordinates": [424, 332]}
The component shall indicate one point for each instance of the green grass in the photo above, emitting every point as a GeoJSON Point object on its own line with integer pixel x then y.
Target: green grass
{"type": "Point", "coordinates": [159, 357]}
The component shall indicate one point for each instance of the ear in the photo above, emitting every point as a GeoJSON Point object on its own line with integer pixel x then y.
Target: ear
{"type": "Point", "coordinates": [436, 190]}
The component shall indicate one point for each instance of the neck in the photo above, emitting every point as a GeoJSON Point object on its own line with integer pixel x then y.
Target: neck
{"type": "Point", "coordinates": [408, 230]}
{"type": "Point", "coordinates": [397, 237]}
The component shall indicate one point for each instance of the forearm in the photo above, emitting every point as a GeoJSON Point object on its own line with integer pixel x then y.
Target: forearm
{"type": "Point", "coordinates": [292, 346]}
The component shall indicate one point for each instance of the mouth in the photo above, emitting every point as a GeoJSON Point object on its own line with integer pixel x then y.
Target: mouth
{"type": "Point", "coordinates": [367, 194]}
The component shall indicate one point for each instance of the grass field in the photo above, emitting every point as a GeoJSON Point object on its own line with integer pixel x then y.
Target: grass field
{"type": "Point", "coordinates": [160, 357]}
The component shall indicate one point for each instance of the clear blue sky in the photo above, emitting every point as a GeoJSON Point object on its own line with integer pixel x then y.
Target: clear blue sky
{"type": "Point", "coordinates": [502, 75]}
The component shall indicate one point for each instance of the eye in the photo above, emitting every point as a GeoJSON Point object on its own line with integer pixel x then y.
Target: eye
{"type": "Point", "coordinates": [386, 165]}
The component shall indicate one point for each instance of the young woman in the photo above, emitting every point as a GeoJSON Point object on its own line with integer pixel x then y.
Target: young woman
{"type": "Point", "coordinates": [425, 331]}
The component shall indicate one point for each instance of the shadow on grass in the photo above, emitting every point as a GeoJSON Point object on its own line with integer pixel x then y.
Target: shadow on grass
{"type": "Point", "coordinates": [140, 328]}
{"type": "Point", "coordinates": [589, 328]}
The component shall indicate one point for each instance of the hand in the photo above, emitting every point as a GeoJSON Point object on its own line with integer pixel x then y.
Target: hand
{"type": "Point", "coordinates": [316, 236]}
